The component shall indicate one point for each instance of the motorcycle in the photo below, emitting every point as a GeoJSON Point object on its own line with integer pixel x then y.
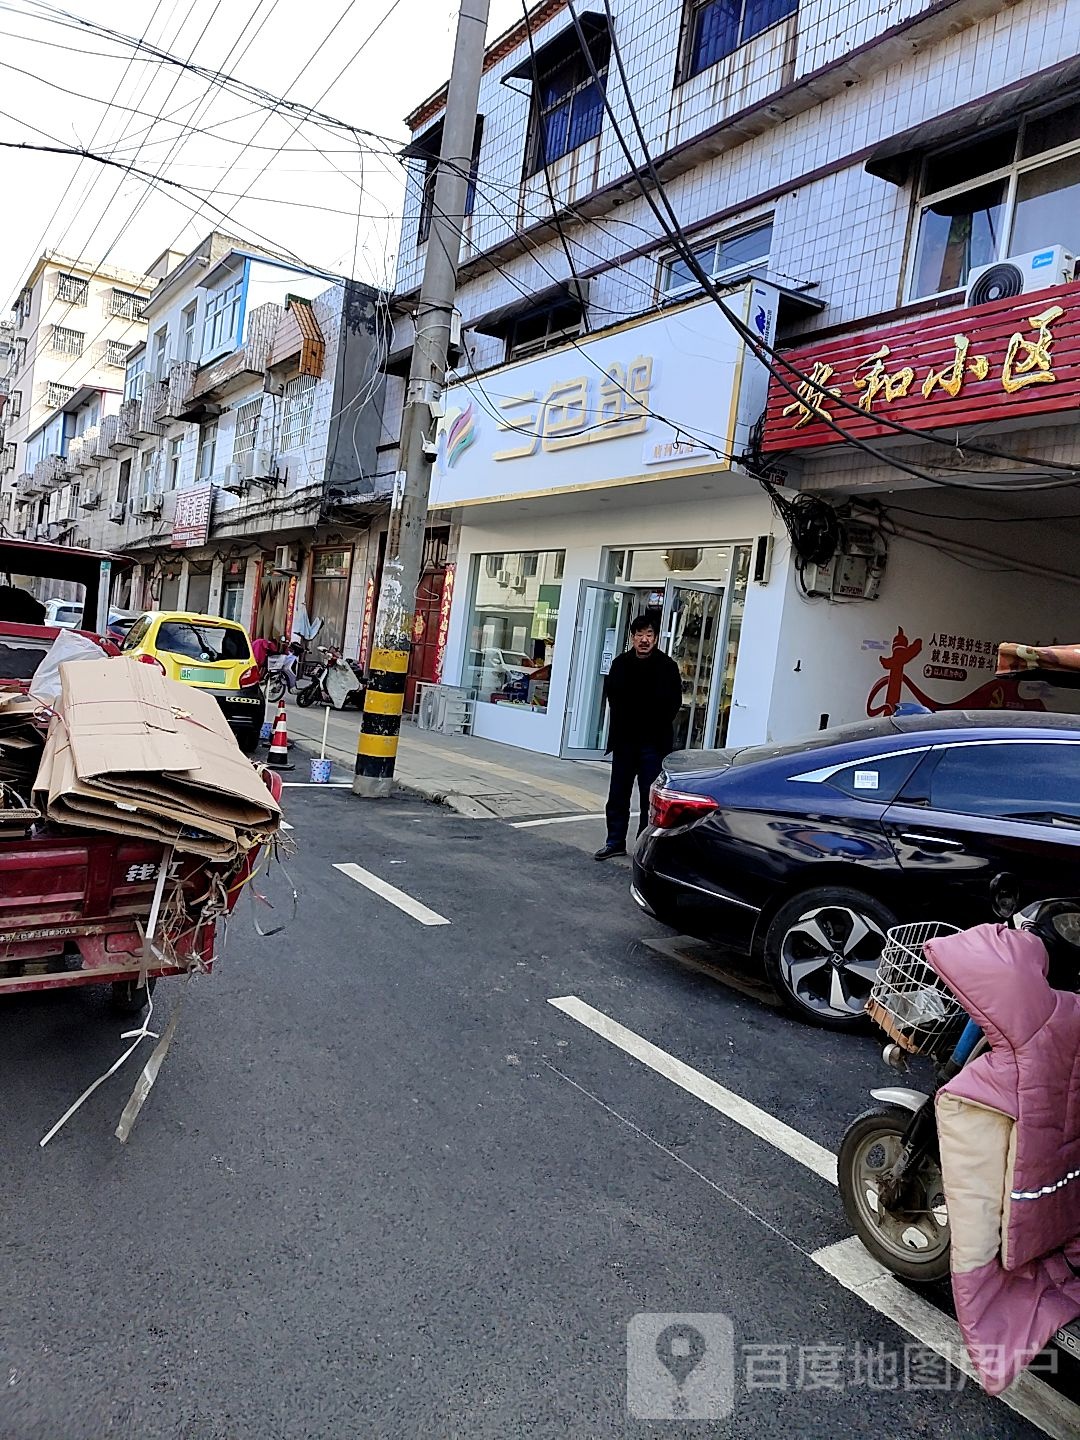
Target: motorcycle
{"type": "Point", "coordinates": [888, 1164]}
{"type": "Point", "coordinates": [337, 682]}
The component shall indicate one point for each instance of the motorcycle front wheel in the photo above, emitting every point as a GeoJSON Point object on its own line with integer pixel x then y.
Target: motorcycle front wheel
{"type": "Point", "coordinates": [910, 1237]}
{"type": "Point", "coordinates": [308, 694]}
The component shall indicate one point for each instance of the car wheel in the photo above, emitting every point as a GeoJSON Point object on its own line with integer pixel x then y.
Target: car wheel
{"type": "Point", "coordinates": [248, 739]}
{"type": "Point", "coordinates": [822, 951]}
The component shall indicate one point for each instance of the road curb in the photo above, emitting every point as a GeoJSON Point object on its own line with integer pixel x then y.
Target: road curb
{"type": "Point", "coordinates": [466, 805]}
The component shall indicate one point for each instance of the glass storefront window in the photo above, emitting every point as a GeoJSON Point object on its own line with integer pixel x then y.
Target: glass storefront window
{"type": "Point", "coordinates": [513, 617]}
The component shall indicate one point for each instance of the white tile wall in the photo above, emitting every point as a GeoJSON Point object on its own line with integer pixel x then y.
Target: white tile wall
{"type": "Point", "coordinates": [844, 233]}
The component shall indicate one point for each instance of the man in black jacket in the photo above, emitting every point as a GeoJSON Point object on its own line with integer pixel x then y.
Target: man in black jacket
{"type": "Point", "coordinates": [643, 692]}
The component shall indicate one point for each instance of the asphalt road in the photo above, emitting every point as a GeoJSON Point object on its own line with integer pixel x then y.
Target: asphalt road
{"type": "Point", "coordinates": [384, 1188]}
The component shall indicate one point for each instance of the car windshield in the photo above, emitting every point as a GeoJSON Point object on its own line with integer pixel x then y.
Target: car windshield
{"type": "Point", "coordinates": [197, 641]}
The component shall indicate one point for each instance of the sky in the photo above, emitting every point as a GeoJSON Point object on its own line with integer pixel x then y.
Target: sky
{"type": "Point", "coordinates": [329, 199]}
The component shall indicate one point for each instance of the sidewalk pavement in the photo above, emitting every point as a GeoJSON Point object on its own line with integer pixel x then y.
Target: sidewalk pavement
{"type": "Point", "coordinates": [477, 778]}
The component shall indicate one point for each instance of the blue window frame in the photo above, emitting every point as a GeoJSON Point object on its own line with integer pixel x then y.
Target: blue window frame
{"type": "Point", "coordinates": [717, 27]}
{"type": "Point", "coordinates": [568, 103]}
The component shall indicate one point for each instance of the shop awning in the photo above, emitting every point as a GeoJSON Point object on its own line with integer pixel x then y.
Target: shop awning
{"type": "Point", "coordinates": [895, 158]}
{"type": "Point", "coordinates": [1058, 664]}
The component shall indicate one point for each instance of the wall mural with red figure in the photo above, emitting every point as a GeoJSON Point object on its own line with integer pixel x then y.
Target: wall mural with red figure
{"type": "Point", "coordinates": [950, 658]}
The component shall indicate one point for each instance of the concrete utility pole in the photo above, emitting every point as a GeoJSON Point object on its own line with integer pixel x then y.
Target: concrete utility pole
{"type": "Point", "coordinates": [377, 746]}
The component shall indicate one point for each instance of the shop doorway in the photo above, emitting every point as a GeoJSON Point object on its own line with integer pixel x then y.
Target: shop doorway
{"type": "Point", "coordinates": [695, 630]}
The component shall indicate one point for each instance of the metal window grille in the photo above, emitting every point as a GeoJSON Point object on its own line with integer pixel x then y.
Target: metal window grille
{"type": "Point", "coordinates": [73, 289]}
{"type": "Point", "coordinates": [67, 342]}
{"type": "Point", "coordinates": [57, 394]}
{"type": "Point", "coordinates": [126, 306]}
{"type": "Point", "coordinates": [116, 353]}
{"type": "Point", "coordinates": [298, 402]}
{"type": "Point", "coordinates": [247, 426]}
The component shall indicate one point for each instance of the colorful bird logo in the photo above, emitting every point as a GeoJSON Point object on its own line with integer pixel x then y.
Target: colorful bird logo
{"type": "Point", "coordinates": [458, 433]}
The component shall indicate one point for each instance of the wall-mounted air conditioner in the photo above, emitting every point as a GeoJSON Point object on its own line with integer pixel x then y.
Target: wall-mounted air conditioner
{"type": "Point", "coordinates": [116, 512]}
{"type": "Point", "coordinates": [89, 499]}
{"type": "Point", "coordinates": [1020, 274]}
{"type": "Point", "coordinates": [151, 503]}
{"type": "Point", "coordinates": [285, 559]}
{"type": "Point", "coordinates": [234, 481]}
{"type": "Point", "coordinates": [262, 465]}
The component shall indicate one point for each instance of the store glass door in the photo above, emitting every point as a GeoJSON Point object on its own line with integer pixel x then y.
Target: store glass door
{"type": "Point", "coordinates": [694, 632]}
{"type": "Point", "coordinates": [601, 631]}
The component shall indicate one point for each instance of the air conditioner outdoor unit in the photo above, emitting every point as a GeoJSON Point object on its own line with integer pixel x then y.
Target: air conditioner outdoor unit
{"type": "Point", "coordinates": [503, 577]}
{"type": "Point", "coordinates": [285, 558]}
{"type": "Point", "coordinates": [262, 465]}
{"type": "Point", "coordinates": [116, 512]}
{"type": "Point", "coordinates": [89, 499]}
{"type": "Point", "coordinates": [517, 582]}
{"type": "Point", "coordinates": [1020, 274]}
{"type": "Point", "coordinates": [234, 481]}
{"type": "Point", "coordinates": [151, 504]}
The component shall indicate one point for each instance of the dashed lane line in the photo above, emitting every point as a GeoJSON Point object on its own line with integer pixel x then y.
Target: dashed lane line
{"type": "Point", "coordinates": [386, 891]}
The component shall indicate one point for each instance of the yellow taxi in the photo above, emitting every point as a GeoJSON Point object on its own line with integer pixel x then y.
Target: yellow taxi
{"type": "Point", "coordinates": [209, 652]}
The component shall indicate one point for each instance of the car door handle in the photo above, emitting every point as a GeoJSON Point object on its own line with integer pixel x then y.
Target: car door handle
{"type": "Point", "coordinates": [930, 842]}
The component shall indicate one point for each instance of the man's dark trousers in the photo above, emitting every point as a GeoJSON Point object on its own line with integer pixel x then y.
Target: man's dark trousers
{"type": "Point", "coordinates": [629, 763]}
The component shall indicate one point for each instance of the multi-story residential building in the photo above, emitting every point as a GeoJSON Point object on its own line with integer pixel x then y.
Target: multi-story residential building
{"type": "Point", "coordinates": [74, 324]}
{"type": "Point", "coordinates": [838, 172]}
{"type": "Point", "coordinates": [237, 463]}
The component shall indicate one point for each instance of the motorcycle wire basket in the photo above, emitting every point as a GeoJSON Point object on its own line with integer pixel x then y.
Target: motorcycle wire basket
{"type": "Point", "coordinates": [908, 1000]}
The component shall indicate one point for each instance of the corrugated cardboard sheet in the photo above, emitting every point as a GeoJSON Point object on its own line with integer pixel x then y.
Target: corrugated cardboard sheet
{"type": "Point", "coordinates": [133, 753]}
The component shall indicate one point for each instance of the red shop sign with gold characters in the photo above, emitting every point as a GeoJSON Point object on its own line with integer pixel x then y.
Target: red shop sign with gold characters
{"type": "Point", "coordinates": [1005, 360]}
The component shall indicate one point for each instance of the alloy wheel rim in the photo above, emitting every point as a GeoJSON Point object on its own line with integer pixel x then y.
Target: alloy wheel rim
{"type": "Point", "coordinates": [829, 959]}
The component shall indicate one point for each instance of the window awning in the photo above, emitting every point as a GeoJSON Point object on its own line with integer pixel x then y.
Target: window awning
{"type": "Point", "coordinates": [498, 321]}
{"type": "Point", "coordinates": [561, 46]}
{"type": "Point", "coordinates": [895, 158]}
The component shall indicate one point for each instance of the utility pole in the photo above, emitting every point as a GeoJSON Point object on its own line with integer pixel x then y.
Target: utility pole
{"type": "Point", "coordinates": [376, 749]}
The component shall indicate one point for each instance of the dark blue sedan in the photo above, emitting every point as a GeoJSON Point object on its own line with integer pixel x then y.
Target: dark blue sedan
{"type": "Point", "coordinates": [803, 855]}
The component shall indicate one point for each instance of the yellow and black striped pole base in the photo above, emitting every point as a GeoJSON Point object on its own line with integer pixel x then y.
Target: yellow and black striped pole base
{"type": "Point", "coordinates": [377, 745]}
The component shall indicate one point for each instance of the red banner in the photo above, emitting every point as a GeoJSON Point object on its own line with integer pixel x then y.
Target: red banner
{"type": "Point", "coordinates": [1002, 361]}
{"type": "Point", "coordinates": [444, 621]}
{"type": "Point", "coordinates": [365, 627]}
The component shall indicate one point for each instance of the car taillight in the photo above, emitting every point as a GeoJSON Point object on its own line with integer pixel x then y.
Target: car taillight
{"type": "Point", "coordinates": [668, 808]}
{"type": "Point", "coordinates": [251, 676]}
{"type": "Point", "coordinates": [151, 660]}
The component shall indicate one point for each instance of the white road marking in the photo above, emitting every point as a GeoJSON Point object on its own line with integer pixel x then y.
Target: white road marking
{"type": "Point", "coordinates": [848, 1261]}
{"type": "Point", "coordinates": [552, 820]}
{"type": "Point", "coordinates": [397, 897]}
{"type": "Point", "coordinates": [852, 1265]}
{"type": "Point", "coordinates": [285, 825]}
{"type": "Point", "coordinates": [759, 1122]}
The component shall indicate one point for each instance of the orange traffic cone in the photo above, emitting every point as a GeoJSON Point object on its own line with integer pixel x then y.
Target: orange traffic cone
{"type": "Point", "coordinates": [278, 759]}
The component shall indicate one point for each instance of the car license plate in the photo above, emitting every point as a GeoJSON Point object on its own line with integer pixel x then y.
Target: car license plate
{"type": "Point", "coordinates": [201, 676]}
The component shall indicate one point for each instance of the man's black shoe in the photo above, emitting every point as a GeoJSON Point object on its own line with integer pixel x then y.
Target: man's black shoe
{"type": "Point", "coordinates": [608, 851]}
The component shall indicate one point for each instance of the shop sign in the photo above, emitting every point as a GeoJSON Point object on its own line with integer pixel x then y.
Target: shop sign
{"type": "Point", "coordinates": [1006, 360]}
{"type": "Point", "coordinates": [444, 621]}
{"type": "Point", "coordinates": [191, 520]}
{"type": "Point", "coordinates": [638, 402]}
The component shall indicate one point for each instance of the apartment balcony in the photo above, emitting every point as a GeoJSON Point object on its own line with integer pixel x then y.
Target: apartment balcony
{"type": "Point", "coordinates": [212, 383]}
{"type": "Point", "coordinates": [106, 436]}
{"type": "Point", "coordinates": [50, 474]}
{"type": "Point", "coordinates": [26, 486]}
{"type": "Point", "coordinates": [73, 458]}
{"type": "Point", "coordinates": [145, 424]}
{"type": "Point", "coordinates": [89, 459]}
{"type": "Point", "coordinates": [125, 436]}
{"type": "Point", "coordinates": [175, 391]}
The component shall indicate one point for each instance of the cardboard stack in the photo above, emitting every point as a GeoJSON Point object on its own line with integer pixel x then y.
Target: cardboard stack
{"type": "Point", "coordinates": [21, 742]}
{"type": "Point", "coordinates": [132, 753]}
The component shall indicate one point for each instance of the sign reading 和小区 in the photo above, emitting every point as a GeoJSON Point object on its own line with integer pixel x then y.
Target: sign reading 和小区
{"type": "Point", "coordinates": [1005, 360]}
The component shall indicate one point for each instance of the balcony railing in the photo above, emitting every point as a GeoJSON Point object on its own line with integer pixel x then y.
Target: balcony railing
{"type": "Point", "coordinates": [145, 421]}
{"type": "Point", "coordinates": [124, 439]}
